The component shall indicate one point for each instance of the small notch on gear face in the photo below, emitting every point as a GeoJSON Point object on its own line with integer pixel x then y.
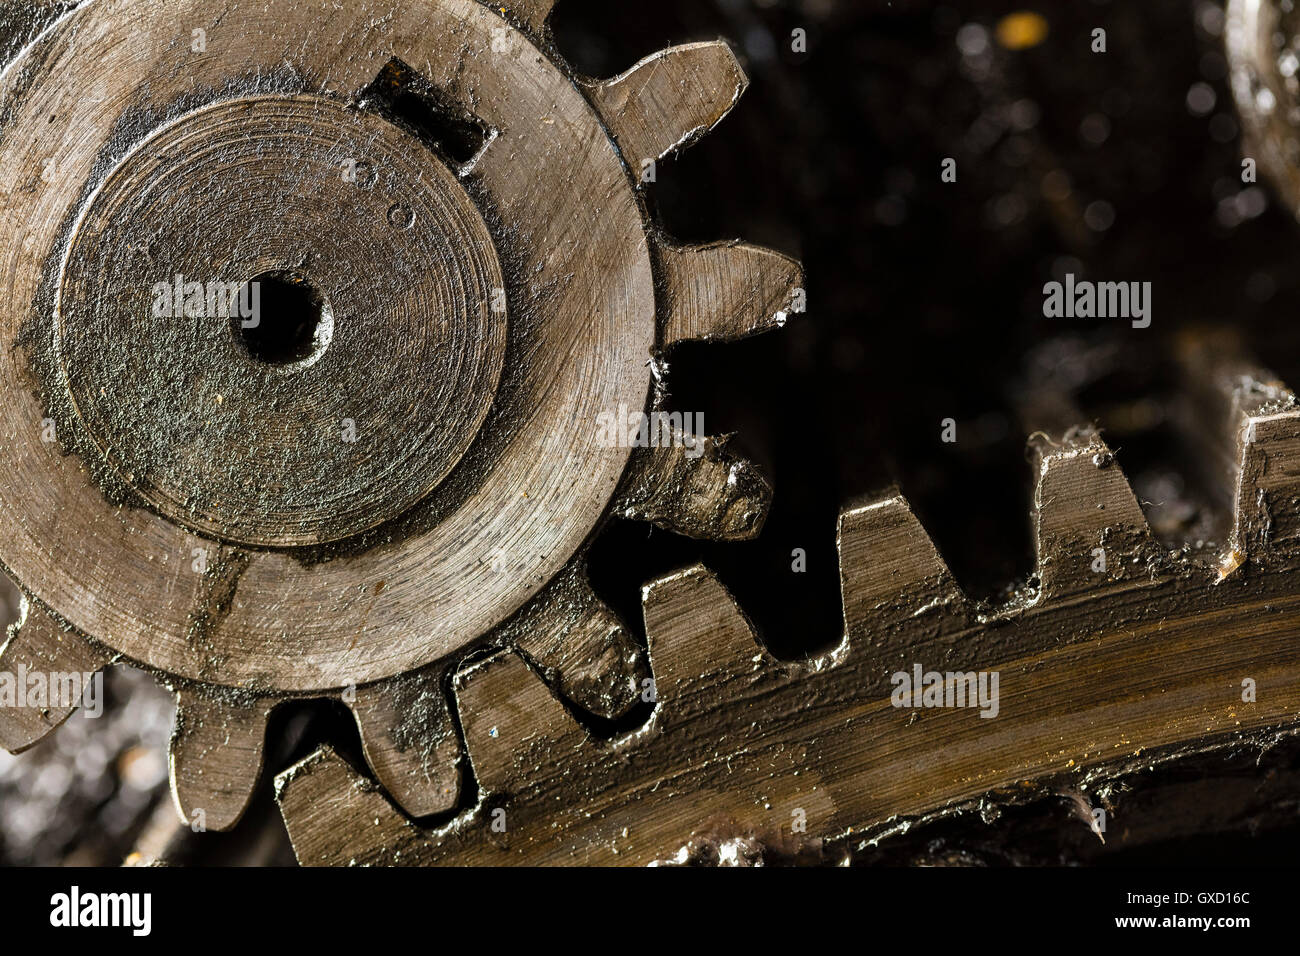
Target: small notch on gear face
{"type": "Point", "coordinates": [404, 97]}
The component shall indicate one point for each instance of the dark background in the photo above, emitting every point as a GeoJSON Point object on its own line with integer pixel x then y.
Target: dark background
{"type": "Point", "coordinates": [925, 298]}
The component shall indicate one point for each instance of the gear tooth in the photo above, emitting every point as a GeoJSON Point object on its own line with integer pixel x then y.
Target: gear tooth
{"type": "Point", "coordinates": [512, 722]}
{"type": "Point", "coordinates": [335, 816]}
{"type": "Point", "coordinates": [669, 99]}
{"type": "Point", "coordinates": [573, 633]}
{"type": "Point", "coordinates": [1088, 526]}
{"type": "Point", "coordinates": [890, 571]}
{"type": "Point", "coordinates": [215, 757]}
{"type": "Point", "coordinates": [702, 647]}
{"type": "Point", "coordinates": [725, 291]}
{"type": "Point", "coordinates": [39, 644]}
{"type": "Point", "coordinates": [700, 490]}
{"type": "Point", "coordinates": [1266, 512]}
{"type": "Point", "coordinates": [1258, 426]}
{"type": "Point", "coordinates": [532, 13]}
{"type": "Point", "coordinates": [410, 741]}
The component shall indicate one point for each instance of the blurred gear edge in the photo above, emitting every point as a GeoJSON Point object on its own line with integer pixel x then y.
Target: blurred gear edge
{"type": "Point", "coordinates": [402, 470]}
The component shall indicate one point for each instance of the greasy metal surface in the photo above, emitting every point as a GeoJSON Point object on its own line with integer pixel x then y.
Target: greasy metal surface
{"type": "Point", "coordinates": [1130, 660]}
{"type": "Point", "coordinates": [581, 323]}
{"type": "Point", "coordinates": [1104, 670]}
{"type": "Point", "coordinates": [348, 515]}
{"type": "Point", "coordinates": [293, 453]}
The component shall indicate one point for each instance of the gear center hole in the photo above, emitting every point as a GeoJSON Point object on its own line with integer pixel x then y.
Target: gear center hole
{"type": "Point", "coordinates": [291, 323]}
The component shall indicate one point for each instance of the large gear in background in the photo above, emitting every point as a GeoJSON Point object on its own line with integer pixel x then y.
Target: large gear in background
{"type": "Point", "coordinates": [1122, 654]}
{"type": "Point", "coordinates": [407, 465]}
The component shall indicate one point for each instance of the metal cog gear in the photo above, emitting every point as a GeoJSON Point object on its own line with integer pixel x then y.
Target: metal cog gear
{"type": "Point", "coordinates": [455, 220]}
{"type": "Point", "coordinates": [1107, 669]}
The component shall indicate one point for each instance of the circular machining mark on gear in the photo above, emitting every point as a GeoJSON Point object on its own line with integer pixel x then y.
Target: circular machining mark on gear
{"type": "Point", "coordinates": [393, 349]}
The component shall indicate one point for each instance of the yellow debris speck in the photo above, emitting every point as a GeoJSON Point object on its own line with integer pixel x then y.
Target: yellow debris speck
{"type": "Point", "coordinates": [1022, 30]}
{"type": "Point", "coordinates": [1230, 562]}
